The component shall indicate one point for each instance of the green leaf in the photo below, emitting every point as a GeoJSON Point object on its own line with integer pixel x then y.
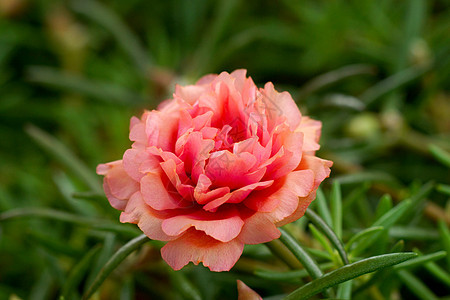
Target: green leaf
{"type": "Point", "coordinates": [205, 50]}
{"type": "Point", "coordinates": [416, 199]}
{"type": "Point", "coordinates": [114, 262]}
{"type": "Point", "coordinates": [125, 37]}
{"type": "Point", "coordinates": [282, 252]}
{"type": "Point", "coordinates": [386, 221]}
{"type": "Point", "coordinates": [53, 214]}
{"type": "Point", "coordinates": [97, 90]}
{"type": "Point", "coordinates": [334, 76]}
{"type": "Point", "coordinates": [336, 208]}
{"type": "Point", "coordinates": [420, 260]}
{"type": "Point", "coordinates": [413, 233]}
{"type": "Point", "coordinates": [291, 276]}
{"type": "Point", "coordinates": [445, 239]}
{"type": "Point", "coordinates": [65, 156]}
{"type": "Point", "coordinates": [348, 272]}
{"type": "Point", "coordinates": [362, 234]}
{"type": "Point", "coordinates": [320, 223]}
{"type": "Point", "coordinates": [355, 195]}
{"type": "Point", "coordinates": [322, 207]}
{"type": "Point", "coordinates": [77, 273]}
{"type": "Point", "coordinates": [419, 289]}
{"type": "Point", "coordinates": [369, 176]}
{"type": "Point", "coordinates": [398, 247]}
{"type": "Point", "coordinates": [384, 205]}
{"type": "Point", "coordinates": [440, 154]}
{"type": "Point", "coordinates": [444, 189]}
{"type": "Point", "coordinates": [298, 251]}
{"type": "Point", "coordinates": [184, 286]}
{"type": "Point", "coordinates": [104, 255]}
{"type": "Point", "coordinates": [321, 239]}
{"type": "Point", "coordinates": [391, 83]}
{"type": "Point", "coordinates": [344, 290]}
{"type": "Point", "coordinates": [438, 272]}
{"type": "Point", "coordinates": [42, 287]}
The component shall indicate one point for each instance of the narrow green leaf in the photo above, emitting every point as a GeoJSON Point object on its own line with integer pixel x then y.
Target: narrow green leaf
{"type": "Point", "coordinates": [384, 205]}
{"type": "Point", "coordinates": [438, 272]}
{"type": "Point", "coordinates": [386, 221]}
{"type": "Point", "coordinates": [282, 252]}
{"type": "Point", "coordinates": [298, 251]}
{"type": "Point", "coordinates": [205, 50]}
{"type": "Point", "coordinates": [440, 154]}
{"type": "Point", "coordinates": [291, 276]}
{"type": "Point", "coordinates": [398, 247]}
{"type": "Point", "coordinates": [355, 195]}
{"type": "Point", "coordinates": [336, 208]}
{"type": "Point", "coordinates": [445, 239]}
{"type": "Point", "coordinates": [77, 274]}
{"type": "Point", "coordinates": [65, 156]}
{"type": "Point", "coordinates": [114, 262]}
{"type": "Point", "coordinates": [320, 223]}
{"type": "Point", "coordinates": [348, 272]}
{"type": "Point", "coordinates": [344, 290]}
{"type": "Point", "coordinates": [419, 289]}
{"type": "Point", "coordinates": [420, 260]}
{"type": "Point", "coordinates": [184, 286]}
{"type": "Point", "coordinates": [89, 196]}
{"type": "Point", "coordinates": [416, 200]}
{"type": "Point", "coordinates": [382, 274]}
{"type": "Point", "coordinates": [53, 214]}
{"type": "Point", "coordinates": [42, 288]}
{"type": "Point", "coordinates": [53, 242]}
{"type": "Point", "coordinates": [127, 290]}
{"type": "Point", "coordinates": [414, 20]}
{"type": "Point", "coordinates": [362, 234]}
{"type": "Point", "coordinates": [369, 176]}
{"type": "Point", "coordinates": [317, 253]}
{"type": "Point", "coordinates": [322, 207]}
{"type": "Point", "coordinates": [125, 37]}
{"type": "Point", "coordinates": [105, 253]}
{"type": "Point", "coordinates": [391, 83]}
{"type": "Point", "coordinates": [321, 239]}
{"type": "Point", "coordinates": [97, 90]}
{"type": "Point", "coordinates": [334, 76]}
{"type": "Point", "coordinates": [413, 233]}
{"type": "Point", "coordinates": [444, 189]}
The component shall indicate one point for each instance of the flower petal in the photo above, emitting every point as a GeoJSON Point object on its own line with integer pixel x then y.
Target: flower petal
{"type": "Point", "coordinates": [147, 219]}
{"type": "Point", "coordinates": [155, 193]}
{"type": "Point", "coordinates": [281, 199]}
{"type": "Point", "coordinates": [195, 246]}
{"type": "Point", "coordinates": [117, 184]}
{"type": "Point", "coordinates": [258, 229]}
{"type": "Point", "coordinates": [223, 226]}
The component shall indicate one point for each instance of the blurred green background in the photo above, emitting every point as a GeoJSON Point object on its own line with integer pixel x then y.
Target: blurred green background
{"type": "Point", "coordinates": [72, 73]}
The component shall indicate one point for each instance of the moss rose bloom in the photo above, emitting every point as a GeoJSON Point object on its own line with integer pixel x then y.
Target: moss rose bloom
{"type": "Point", "coordinates": [220, 165]}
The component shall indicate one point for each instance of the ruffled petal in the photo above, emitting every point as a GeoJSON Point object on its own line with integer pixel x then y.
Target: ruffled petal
{"type": "Point", "coordinates": [222, 226]}
{"type": "Point", "coordinates": [311, 130]}
{"type": "Point", "coordinates": [195, 246]}
{"type": "Point", "coordinates": [156, 193]}
{"type": "Point", "coordinates": [147, 219]}
{"type": "Point", "coordinates": [258, 229]}
{"type": "Point", "coordinates": [117, 184]}
{"type": "Point", "coordinates": [281, 199]}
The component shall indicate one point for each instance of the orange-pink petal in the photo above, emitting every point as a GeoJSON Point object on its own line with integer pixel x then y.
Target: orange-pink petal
{"type": "Point", "coordinates": [195, 246]}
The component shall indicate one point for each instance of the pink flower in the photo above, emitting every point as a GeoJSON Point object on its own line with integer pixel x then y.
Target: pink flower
{"type": "Point", "coordinates": [220, 165]}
